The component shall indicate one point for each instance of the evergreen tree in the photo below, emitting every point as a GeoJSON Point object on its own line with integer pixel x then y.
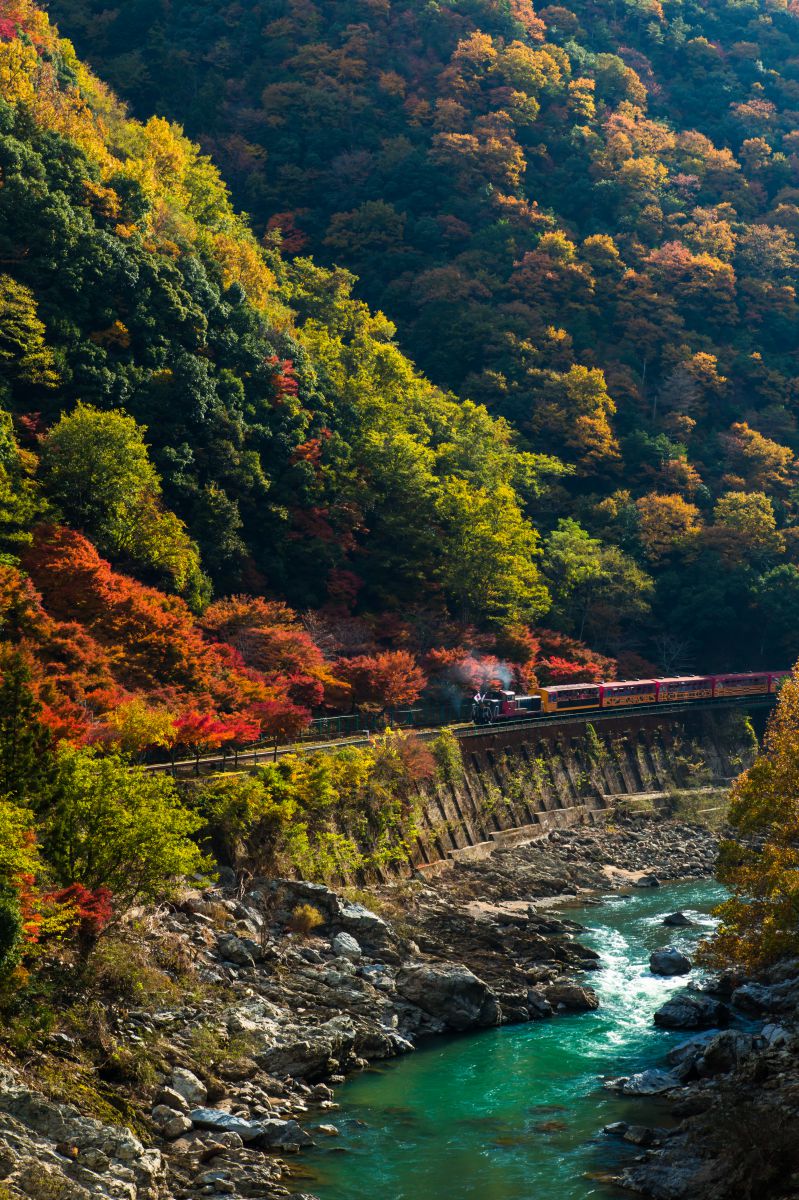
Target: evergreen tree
{"type": "Point", "coordinates": [25, 754]}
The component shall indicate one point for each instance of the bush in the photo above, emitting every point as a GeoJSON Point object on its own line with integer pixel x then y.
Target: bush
{"type": "Point", "coordinates": [10, 933]}
{"type": "Point", "coordinates": [305, 919]}
{"type": "Point", "coordinates": [449, 760]}
{"type": "Point", "coordinates": [110, 825]}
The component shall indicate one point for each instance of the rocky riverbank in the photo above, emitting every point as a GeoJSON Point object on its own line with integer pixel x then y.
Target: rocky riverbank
{"type": "Point", "coordinates": [281, 989]}
{"type": "Point", "coordinates": [730, 1094]}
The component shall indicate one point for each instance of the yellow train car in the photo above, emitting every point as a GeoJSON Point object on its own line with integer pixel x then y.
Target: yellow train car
{"type": "Point", "coordinates": [571, 697]}
{"type": "Point", "coordinates": [631, 691]}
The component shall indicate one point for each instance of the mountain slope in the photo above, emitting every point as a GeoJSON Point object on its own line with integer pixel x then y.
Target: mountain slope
{"type": "Point", "coordinates": [583, 217]}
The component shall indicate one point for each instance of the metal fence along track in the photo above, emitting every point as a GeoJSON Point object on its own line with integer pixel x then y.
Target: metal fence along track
{"type": "Point", "coordinates": [268, 753]}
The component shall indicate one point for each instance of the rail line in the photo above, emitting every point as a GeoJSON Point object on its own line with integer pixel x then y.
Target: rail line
{"type": "Point", "coordinates": [210, 764]}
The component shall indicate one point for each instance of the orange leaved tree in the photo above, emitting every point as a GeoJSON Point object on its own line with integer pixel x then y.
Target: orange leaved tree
{"type": "Point", "coordinates": [760, 921]}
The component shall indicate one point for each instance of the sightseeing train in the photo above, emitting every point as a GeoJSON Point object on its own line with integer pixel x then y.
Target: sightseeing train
{"type": "Point", "coordinates": [498, 705]}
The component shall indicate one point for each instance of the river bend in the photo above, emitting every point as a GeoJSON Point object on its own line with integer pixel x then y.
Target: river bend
{"type": "Point", "coordinates": [516, 1113]}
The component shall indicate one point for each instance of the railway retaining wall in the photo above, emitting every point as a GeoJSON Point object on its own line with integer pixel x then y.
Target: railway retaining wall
{"type": "Point", "coordinates": [517, 783]}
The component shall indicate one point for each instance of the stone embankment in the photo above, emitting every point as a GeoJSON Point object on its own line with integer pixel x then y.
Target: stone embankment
{"type": "Point", "coordinates": [515, 784]}
{"type": "Point", "coordinates": [288, 1016]}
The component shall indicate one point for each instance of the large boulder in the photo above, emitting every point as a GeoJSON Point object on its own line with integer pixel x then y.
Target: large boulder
{"type": "Point", "coordinates": [187, 1085]}
{"type": "Point", "coordinates": [345, 946]}
{"type": "Point", "coordinates": [669, 961]}
{"type": "Point", "coordinates": [689, 1010]}
{"type": "Point", "coordinates": [219, 1121]}
{"type": "Point", "coordinates": [309, 1052]}
{"type": "Point", "coordinates": [725, 1051]}
{"type": "Point", "coordinates": [108, 1160]}
{"type": "Point", "coordinates": [370, 930]}
{"type": "Point", "coordinates": [450, 992]}
{"type": "Point", "coordinates": [677, 920]}
{"type": "Point", "coordinates": [653, 1082]}
{"type": "Point", "coordinates": [571, 997]}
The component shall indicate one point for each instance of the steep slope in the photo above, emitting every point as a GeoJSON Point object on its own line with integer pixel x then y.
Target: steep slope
{"type": "Point", "coordinates": [184, 414]}
{"type": "Point", "coordinates": [273, 430]}
{"type": "Point", "coordinates": [584, 217]}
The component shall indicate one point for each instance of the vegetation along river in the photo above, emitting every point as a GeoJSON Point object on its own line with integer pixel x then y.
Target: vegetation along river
{"type": "Point", "coordinates": [516, 1113]}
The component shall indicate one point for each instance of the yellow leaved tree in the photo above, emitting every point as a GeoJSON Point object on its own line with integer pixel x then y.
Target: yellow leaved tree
{"type": "Point", "coordinates": [760, 921]}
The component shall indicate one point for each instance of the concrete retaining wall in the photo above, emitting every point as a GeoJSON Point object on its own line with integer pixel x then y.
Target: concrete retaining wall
{"type": "Point", "coordinates": [521, 782]}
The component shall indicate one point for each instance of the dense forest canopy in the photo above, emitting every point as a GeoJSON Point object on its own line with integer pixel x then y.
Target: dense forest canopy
{"type": "Point", "coordinates": [583, 217]}
{"type": "Point", "coordinates": [196, 434]}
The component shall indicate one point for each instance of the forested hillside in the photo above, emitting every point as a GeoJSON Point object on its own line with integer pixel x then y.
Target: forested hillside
{"type": "Point", "coordinates": [195, 435]}
{"type": "Point", "coordinates": [583, 217]}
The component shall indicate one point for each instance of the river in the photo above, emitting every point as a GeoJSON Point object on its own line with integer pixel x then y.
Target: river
{"type": "Point", "coordinates": [516, 1113]}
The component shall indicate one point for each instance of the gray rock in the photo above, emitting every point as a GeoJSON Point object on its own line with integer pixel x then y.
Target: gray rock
{"type": "Point", "coordinates": [450, 992]}
{"type": "Point", "coordinates": [640, 1135]}
{"type": "Point", "coordinates": [241, 951]}
{"type": "Point", "coordinates": [172, 1099]}
{"type": "Point", "coordinates": [307, 1052]}
{"type": "Point", "coordinates": [647, 881]}
{"type": "Point", "coordinates": [774, 1035]}
{"type": "Point", "coordinates": [109, 1161]}
{"type": "Point", "coordinates": [725, 1051]}
{"type": "Point", "coordinates": [189, 1087]}
{"type": "Point", "coordinates": [677, 919]}
{"type": "Point", "coordinates": [754, 999]}
{"type": "Point", "coordinates": [275, 1134]}
{"type": "Point", "coordinates": [170, 1122]}
{"type": "Point", "coordinates": [571, 997]}
{"type": "Point", "coordinates": [653, 1082]}
{"type": "Point", "coordinates": [669, 961]}
{"type": "Point", "coordinates": [219, 1121]}
{"type": "Point", "coordinates": [691, 1011]}
{"type": "Point", "coordinates": [692, 1049]}
{"type": "Point", "coordinates": [345, 945]}
{"type": "Point", "coordinates": [616, 1128]}
{"type": "Point", "coordinates": [537, 1004]}
{"type": "Point", "coordinates": [370, 930]}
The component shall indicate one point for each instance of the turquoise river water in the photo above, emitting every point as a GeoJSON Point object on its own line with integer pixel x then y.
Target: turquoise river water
{"type": "Point", "coordinates": [516, 1113]}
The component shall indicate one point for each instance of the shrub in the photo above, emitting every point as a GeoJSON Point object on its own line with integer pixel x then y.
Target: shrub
{"type": "Point", "coordinates": [123, 968]}
{"type": "Point", "coordinates": [10, 933]}
{"type": "Point", "coordinates": [305, 919]}
{"type": "Point", "coordinates": [110, 825]}
{"type": "Point", "coordinates": [449, 761]}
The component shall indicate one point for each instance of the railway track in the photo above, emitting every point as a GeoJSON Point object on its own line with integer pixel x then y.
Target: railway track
{"type": "Point", "coordinates": [210, 764]}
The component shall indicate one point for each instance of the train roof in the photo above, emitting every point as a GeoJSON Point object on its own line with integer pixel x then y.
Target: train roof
{"type": "Point", "coordinates": [684, 678]}
{"type": "Point", "coordinates": [569, 687]}
{"type": "Point", "coordinates": [745, 675]}
{"type": "Point", "coordinates": [629, 682]}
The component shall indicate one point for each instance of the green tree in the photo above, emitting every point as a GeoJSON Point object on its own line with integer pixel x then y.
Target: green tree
{"type": "Point", "coordinates": [20, 503]}
{"type": "Point", "coordinates": [24, 353]}
{"type": "Point", "coordinates": [594, 586]}
{"type": "Point", "coordinates": [107, 824]}
{"type": "Point", "coordinates": [96, 468]}
{"type": "Point", "coordinates": [488, 554]}
{"type": "Point", "coordinates": [25, 755]}
{"type": "Point", "coordinates": [20, 866]}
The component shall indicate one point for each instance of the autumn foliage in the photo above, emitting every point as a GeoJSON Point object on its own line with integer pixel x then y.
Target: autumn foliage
{"type": "Point", "coordinates": [760, 864]}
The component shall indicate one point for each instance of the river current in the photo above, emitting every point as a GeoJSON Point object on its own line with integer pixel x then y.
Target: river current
{"type": "Point", "coordinates": [516, 1113]}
